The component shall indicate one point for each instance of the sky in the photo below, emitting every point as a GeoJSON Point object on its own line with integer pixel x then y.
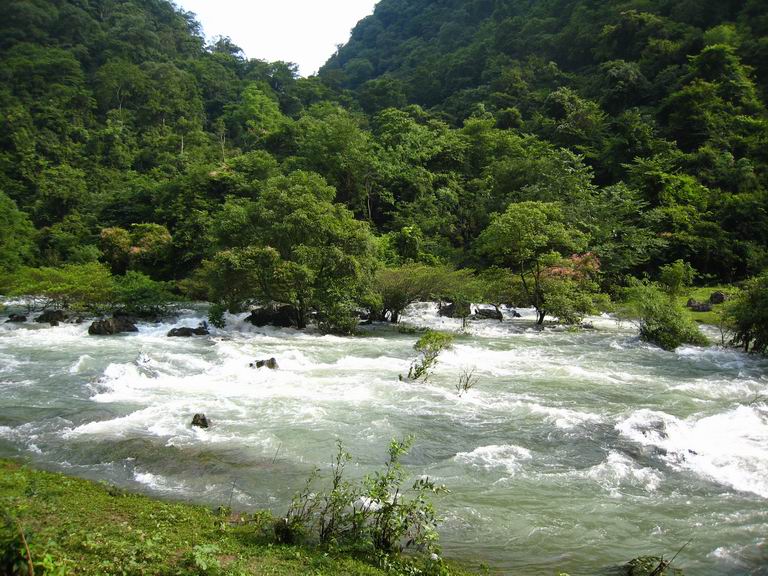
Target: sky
{"type": "Point", "coordinates": [305, 32]}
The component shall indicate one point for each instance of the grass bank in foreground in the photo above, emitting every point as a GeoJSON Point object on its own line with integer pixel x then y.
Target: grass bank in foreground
{"type": "Point", "coordinates": [78, 527]}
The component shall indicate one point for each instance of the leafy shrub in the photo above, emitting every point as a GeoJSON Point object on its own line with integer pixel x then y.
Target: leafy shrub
{"type": "Point", "coordinates": [137, 294]}
{"type": "Point", "coordinates": [429, 348]}
{"type": "Point", "coordinates": [748, 315]}
{"type": "Point", "coordinates": [661, 320]}
{"type": "Point", "coordinates": [376, 514]}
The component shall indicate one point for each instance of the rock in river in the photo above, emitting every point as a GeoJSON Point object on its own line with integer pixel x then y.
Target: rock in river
{"type": "Point", "coordinates": [200, 421]}
{"type": "Point", "coordinates": [111, 326]}
{"type": "Point", "coordinates": [186, 332]}
{"type": "Point", "coordinates": [270, 363]}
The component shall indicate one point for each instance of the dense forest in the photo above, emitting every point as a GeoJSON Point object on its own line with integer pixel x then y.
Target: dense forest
{"type": "Point", "coordinates": [531, 153]}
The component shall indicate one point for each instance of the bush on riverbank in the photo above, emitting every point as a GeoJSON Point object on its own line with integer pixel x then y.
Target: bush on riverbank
{"type": "Point", "coordinates": [75, 526]}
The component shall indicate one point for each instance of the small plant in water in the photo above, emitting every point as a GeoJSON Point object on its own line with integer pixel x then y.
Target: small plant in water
{"type": "Point", "coordinates": [429, 348]}
{"type": "Point", "coordinates": [376, 514]}
{"type": "Point", "coordinates": [467, 380]}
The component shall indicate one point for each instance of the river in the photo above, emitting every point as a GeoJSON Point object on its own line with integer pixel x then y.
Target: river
{"type": "Point", "coordinates": [576, 450]}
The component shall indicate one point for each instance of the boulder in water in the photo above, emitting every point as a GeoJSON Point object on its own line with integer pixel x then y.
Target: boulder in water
{"type": "Point", "coordinates": [52, 317]}
{"type": "Point", "coordinates": [488, 314]}
{"type": "Point", "coordinates": [280, 315]}
{"type": "Point", "coordinates": [515, 314]}
{"type": "Point", "coordinates": [186, 332]}
{"type": "Point", "coordinates": [16, 318]}
{"type": "Point", "coordinates": [446, 310]}
{"type": "Point", "coordinates": [270, 363]}
{"type": "Point", "coordinates": [111, 326]}
{"type": "Point", "coordinates": [200, 421]}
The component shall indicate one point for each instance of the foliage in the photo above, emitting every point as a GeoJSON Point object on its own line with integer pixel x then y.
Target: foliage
{"type": "Point", "coordinates": [77, 287]}
{"type": "Point", "coordinates": [16, 235]}
{"type": "Point", "coordinates": [138, 295]}
{"type": "Point", "coordinates": [378, 514]}
{"type": "Point", "coordinates": [676, 277]}
{"type": "Point", "coordinates": [63, 518]}
{"type": "Point", "coordinates": [660, 318]}
{"type": "Point", "coordinates": [429, 347]}
{"type": "Point", "coordinates": [748, 316]}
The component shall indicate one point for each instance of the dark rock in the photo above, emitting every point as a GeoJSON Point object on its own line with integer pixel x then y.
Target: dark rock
{"type": "Point", "coordinates": [697, 306]}
{"type": "Point", "coordinates": [281, 315]}
{"type": "Point", "coordinates": [111, 326]}
{"type": "Point", "coordinates": [52, 317]}
{"type": "Point", "coordinates": [515, 314]}
{"type": "Point", "coordinates": [488, 314]}
{"type": "Point", "coordinates": [186, 332]}
{"type": "Point", "coordinates": [718, 297]}
{"type": "Point", "coordinates": [200, 421]}
{"type": "Point", "coordinates": [270, 363]}
{"type": "Point", "coordinates": [447, 310]}
{"type": "Point", "coordinates": [16, 318]}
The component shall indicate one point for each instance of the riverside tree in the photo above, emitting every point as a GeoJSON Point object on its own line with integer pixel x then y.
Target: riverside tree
{"type": "Point", "coordinates": [532, 238]}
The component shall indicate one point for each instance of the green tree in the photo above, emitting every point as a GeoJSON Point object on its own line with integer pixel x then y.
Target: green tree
{"type": "Point", "coordinates": [530, 238]}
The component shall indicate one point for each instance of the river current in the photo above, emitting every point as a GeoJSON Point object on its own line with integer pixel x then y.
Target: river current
{"type": "Point", "coordinates": [575, 451]}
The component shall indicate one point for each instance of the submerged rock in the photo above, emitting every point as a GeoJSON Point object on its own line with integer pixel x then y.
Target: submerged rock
{"type": "Point", "coordinates": [270, 363]}
{"type": "Point", "coordinates": [52, 317]}
{"type": "Point", "coordinates": [16, 318]}
{"type": "Point", "coordinates": [186, 332]}
{"type": "Point", "coordinates": [280, 315]}
{"type": "Point", "coordinates": [111, 326]}
{"type": "Point", "coordinates": [200, 421]}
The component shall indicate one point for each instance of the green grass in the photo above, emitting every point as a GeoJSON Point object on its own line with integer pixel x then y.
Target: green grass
{"type": "Point", "coordinates": [89, 528]}
{"type": "Point", "coordinates": [702, 295]}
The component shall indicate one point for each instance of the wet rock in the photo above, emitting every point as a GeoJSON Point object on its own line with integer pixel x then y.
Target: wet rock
{"type": "Point", "coordinates": [16, 318]}
{"type": "Point", "coordinates": [488, 314]}
{"type": "Point", "coordinates": [270, 363]}
{"type": "Point", "coordinates": [447, 310]}
{"type": "Point", "coordinates": [280, 315]}
{"type": "Point", "coordinates": [52, 317]}
{"type": "Point", "coordinates": [186, 332]}
{"type": "Point", "coordinates": [718, 297]}
{"type": "Point", "coordinates": [515, 314]}
{"type": "Point", "coordinates": [111, 326]}
{"type": "Point", "coordinates": [200, 421]}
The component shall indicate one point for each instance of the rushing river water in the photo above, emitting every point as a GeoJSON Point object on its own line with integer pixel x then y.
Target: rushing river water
{"type": "Point", "coordinates": [575, 451]}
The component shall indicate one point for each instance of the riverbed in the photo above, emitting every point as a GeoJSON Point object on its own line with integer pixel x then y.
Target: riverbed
{"type": "Point", "coordinates": [575, 451]}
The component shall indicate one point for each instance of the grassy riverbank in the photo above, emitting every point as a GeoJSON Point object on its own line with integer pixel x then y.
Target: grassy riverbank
{"type": "Point", "coordinates": [75, 526]}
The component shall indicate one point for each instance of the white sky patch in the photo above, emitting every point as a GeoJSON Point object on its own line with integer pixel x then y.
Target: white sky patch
{"type": "Point", "coordinates": [305, 32]}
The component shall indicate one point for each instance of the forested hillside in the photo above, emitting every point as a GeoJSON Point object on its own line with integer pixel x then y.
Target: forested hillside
{"type": "Point", "coordinates": [667, 97]}
{"type": "Point", "coordinates": [560, 146]}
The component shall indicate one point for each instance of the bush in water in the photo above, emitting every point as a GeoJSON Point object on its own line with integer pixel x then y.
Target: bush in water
{"type": "Point", "coordinates": [660, 318]}
{"type": "Point", "coordinates": [374, 515]}
{"type": "Point", "coordinates": [429, 348]}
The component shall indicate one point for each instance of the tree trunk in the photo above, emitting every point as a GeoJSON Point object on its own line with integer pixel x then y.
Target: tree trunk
{"type": "Point", "coordinates": [540, 314]}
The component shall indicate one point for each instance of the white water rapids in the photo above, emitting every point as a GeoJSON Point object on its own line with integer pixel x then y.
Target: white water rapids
{"type": "Point", "coordinates": [576, 450]}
